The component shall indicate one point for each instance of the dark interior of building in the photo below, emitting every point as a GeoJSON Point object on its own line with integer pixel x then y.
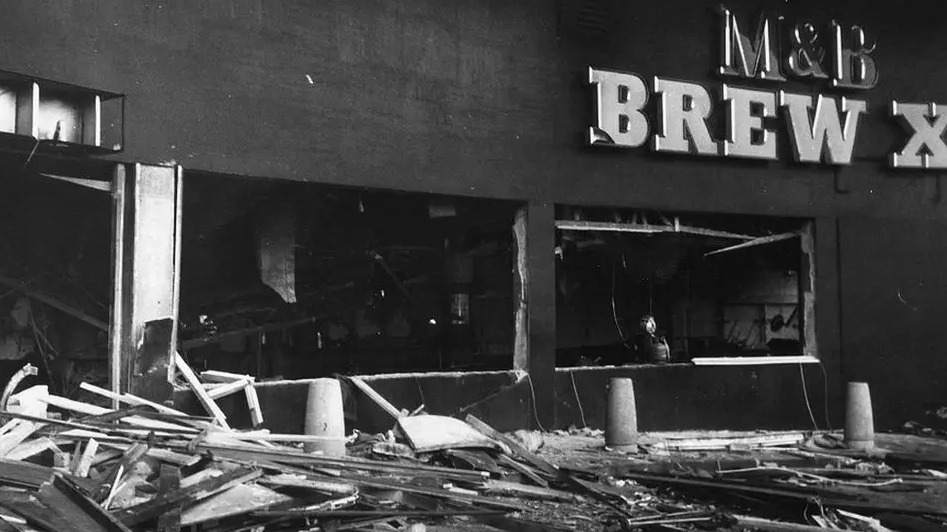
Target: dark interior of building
{"type": "Point", "coordinates": [714, 286]}
{"type": "Point", "coordinates": [291, 280]}
{"type": "Point", "coordinates": [55, 274]}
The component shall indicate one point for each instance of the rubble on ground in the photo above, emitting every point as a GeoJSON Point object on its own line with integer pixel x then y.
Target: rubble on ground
{"type": "Point", "coordinates": [68, 465]}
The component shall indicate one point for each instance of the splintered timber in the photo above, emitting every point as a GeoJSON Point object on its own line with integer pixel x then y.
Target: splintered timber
{"type": "Point", "coordinates": [820, 128]}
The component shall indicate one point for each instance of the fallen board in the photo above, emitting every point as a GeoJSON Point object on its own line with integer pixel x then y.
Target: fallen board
{"type": "Point", "coordinates": [434, 433]}
{"type": "Point", "coordinates": [377, 398]}
{"type": "Point", "coordinates": [237, 500]}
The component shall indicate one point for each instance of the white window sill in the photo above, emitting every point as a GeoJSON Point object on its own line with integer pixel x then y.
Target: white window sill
{"type": "Point", "coordinates": [754, 361]}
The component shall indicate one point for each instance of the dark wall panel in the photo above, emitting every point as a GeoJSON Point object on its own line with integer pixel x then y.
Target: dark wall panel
{"type": "Point", "coordinates": [894, 289]}
{"type": "Point", "coordinates": [479, 97]}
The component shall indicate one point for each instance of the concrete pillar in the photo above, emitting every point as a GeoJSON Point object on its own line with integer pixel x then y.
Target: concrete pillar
{"type": "Point", "coordinates": [146, 278]}
{"type": "Point", "coordinates": [826, 325]}
{"type": "Point", "coordinates": [534, 288]}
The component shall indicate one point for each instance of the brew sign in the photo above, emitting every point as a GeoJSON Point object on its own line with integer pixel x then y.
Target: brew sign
{"type": "Point", "coordinates": [820, 128]}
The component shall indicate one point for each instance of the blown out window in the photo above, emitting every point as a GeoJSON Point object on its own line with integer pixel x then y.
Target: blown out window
{"type": "Point", "coordinates": [637, 287]}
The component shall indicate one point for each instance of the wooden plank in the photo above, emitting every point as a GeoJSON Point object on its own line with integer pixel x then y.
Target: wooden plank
{"type": "Point", "coordinates": [308, 482]}
{"type": "Point", "coordinates": [523, 470]}
{"type": "Point", "coordinates": [94, 184]}
{"type": "Point", "coordinates": [909, 523]}
{"type": "Point", "coordinates": [149, 510]}
{"type": "Point", "coordinates": [619, 227]}
{"type": "Point", "coordinates": [109, 418]}
{"type": "Point", "coordinates": [130, 399]}
{"type": "Point", "coordinates": [515, 489]}
{"type": "Point", "coordinates": [378, 483]}
{"type": "Point", "coordinates": [434, 433]}
{"type": "Point", "coordinates": [82, 465]}
{"type": "Point", "coordinates": [169, 481]}
{"type": "Point", "coordinates": [253, 403]}
{"type": "Point", "coordinates": [199, 391]}
{"type": "Point", "coordinates": [376, 398]}
{"type": "Point", "coordinates": [24, 474]}
{"type": "Point", "coordinates": [56, 304]}
{"type": "Point", "coordinates": [756, 242]}
{"type": "Point", "coordinates": [710, 444]}
{"type": "Point", "coordinates": [36, 512]}
{"type": "Point", "coordinates": [106, 486]}
{"type": "Point", "coordinates": [67, 500]}
{"type": "Point", "coordinates": [82, 434]}
{"type": "Point", "coordinates": [94, 410]}
{"type": "Point", "coordinates": [9, 522]}
{"type": "Point", "coordinates": [514, 446]}
{"type": "Point", "coordinates": [756, 523]}
{"type": "Point", "coordinates": [31, 448]}
{"type": "Point", "coordinates": [238, 500]}
{"type": "Point", "coordinates": [267, 437]}
{"type": "Point", "coordinates": [8, 426]}
{"type": "Point", "coordinates": [227, 389]}
{"type": "Point", "coordinates": [164, 455]}
{"type": "Point", "coordinates": [475, 459]}
{"type": "Point", "coordinates": [13, 438]}
{"type": "Point", "coordinates": [313, 460]}
{"type": "Point", "coordinates": [224, 376]}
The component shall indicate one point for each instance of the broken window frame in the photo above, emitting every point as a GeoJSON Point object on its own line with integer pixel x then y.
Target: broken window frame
{"type": "Point", "coordinates": [673, 224]}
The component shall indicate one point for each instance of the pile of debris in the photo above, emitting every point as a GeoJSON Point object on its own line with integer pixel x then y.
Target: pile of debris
{"type": "Point", "coordinates": [147, 466]}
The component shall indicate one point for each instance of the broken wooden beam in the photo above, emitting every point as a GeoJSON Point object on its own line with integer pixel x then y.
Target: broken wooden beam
{"type": "Point", "coordinates": [81, 467]}
{"type": "Point", "coordinates": [314, 460]}
{"type": "Point", "coordinates": [153, 508]}
{"type": "Point", "coordinates": [169, 481]}
{"type": "Point", "coordinates": [212, 375]}
{"type": "Point", "coordinates": [105, 487]}
{"type": "Point", "coordinates": [56, 304]}
{"type": "Point", "coordinates": [523, 470]}
{"type": "Point", "coordinates": [227, 389]}
{"type": "Point", "coordinates": [756, 523]}
{"type": "Point", "coordinates": [24, 474]}
{"type": "Point", "coordinates": [514, 446]}
{"type": "Point", "coordinates": [129, 418]}
{"type": "Point", "coordinates": [199, 391]}
{"type": "Point", "coordinates": [253, 403]}
{"type": "Point", "coordinates": [69, 501]}
{"type": "Point", "coordinates": [515, 489]}
{"type": "Point", "coordinates": [377, 398]}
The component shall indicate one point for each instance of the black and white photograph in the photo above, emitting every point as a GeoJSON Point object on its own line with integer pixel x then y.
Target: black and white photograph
{"type": "Point", "coordinates": [473, 265]}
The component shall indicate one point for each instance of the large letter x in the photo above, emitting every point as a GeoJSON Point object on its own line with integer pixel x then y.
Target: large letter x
{"type": "Point", "coordinates": [927, 124]}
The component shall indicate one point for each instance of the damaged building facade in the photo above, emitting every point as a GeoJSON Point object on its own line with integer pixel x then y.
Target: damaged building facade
{"type": "Point", "coordinates": [482, 207]}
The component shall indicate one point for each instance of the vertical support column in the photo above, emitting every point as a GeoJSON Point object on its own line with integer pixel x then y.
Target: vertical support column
{"type": "Point", "coordinates": [807, 279]}
{"type": "Point", "coordinates": [534, 284]}
{"type": "Point", "coordinates": [829, 330]}
{"type": "Point", "coordinates": [117, 310]}
{"type": "Point", "coordinates": [146, 273]}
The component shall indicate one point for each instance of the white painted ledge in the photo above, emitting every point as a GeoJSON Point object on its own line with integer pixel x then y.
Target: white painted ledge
{"type": "Point", "coordinates": [754, 361]}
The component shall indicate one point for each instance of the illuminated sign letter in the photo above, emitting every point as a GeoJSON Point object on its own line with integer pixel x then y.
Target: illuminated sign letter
{"type": "Point", "coordinates": [683, 109]}
{"type": "Point", "coordinates": [927, 123]}
{"type": "Point", "coordinates": [854, 67]}
{"type": "Point", "coordinates": [746, 136]}
{"type": "Point", "coordinates": [741, 56]}
{"type": "Point", "coordinates": [823, 133]}
{"type": "Point", "coordinates": [619, 120]}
